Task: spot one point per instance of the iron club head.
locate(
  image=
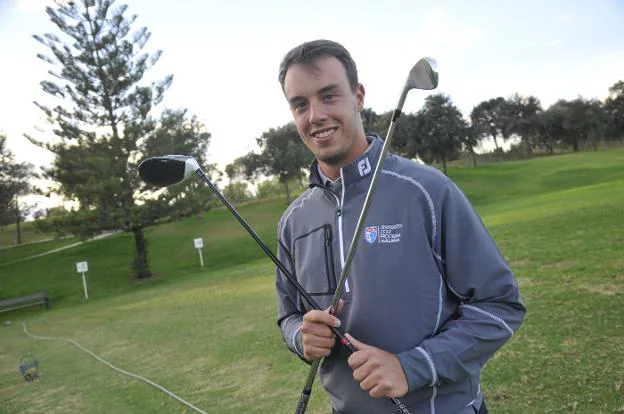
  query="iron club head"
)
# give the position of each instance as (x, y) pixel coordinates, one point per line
(167, 169)
(424, 76)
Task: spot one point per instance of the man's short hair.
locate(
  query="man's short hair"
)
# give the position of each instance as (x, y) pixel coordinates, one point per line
(308, 52)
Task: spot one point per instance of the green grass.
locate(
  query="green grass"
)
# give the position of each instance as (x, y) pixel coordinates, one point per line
(28, 232)
(26, 251)
(209, 335)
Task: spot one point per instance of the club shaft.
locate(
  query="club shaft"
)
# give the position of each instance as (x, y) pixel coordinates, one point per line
(363, 213)
(307, 388)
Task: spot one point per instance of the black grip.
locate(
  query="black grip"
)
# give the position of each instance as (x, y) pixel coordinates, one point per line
(303, 402)
(401, 408)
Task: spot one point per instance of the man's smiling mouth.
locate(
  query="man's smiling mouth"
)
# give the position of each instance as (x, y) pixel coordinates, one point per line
(326, 133)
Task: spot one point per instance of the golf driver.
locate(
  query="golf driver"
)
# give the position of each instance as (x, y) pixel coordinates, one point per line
(423, 76)
(171, 169)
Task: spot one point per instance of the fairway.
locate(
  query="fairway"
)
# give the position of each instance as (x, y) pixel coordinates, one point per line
(209, 335)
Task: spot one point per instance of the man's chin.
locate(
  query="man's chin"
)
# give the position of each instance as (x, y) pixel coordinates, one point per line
(335, 159)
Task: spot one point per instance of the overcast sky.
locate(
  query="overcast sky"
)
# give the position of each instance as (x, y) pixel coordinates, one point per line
(224, 55)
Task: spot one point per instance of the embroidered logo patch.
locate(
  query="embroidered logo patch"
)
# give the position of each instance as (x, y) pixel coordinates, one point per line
(386, 233)
(364, 167)
(370, 234)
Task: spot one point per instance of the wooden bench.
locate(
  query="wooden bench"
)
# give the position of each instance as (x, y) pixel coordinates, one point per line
(24, 301)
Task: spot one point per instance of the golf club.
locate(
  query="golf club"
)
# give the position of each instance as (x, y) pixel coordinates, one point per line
(423, 76)
(171, 169)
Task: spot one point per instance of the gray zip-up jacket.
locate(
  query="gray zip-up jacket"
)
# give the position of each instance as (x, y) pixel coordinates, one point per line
(427, 282)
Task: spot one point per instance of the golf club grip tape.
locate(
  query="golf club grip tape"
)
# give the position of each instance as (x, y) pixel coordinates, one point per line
(401, 408)
(303, 402)
(344, 340)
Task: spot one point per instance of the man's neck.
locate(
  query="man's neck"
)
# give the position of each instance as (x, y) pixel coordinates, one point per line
(330, 171)
(333, 171)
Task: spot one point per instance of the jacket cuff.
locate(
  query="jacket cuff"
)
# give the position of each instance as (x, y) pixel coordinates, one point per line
(296, 341)
(291, 331)
(418, 368)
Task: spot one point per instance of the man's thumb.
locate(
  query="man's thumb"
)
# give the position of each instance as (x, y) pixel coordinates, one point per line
(338, 308)
(360, 346)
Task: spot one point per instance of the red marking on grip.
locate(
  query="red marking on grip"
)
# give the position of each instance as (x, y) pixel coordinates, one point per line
(344, 341)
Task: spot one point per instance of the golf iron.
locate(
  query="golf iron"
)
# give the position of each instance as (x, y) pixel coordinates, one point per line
(423, 76)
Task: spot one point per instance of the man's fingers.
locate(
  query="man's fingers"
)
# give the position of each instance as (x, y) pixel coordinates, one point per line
(314, 341)
(317, 346)
(316, 336)
(361, 373)
(360, 346)
(323, 317)
(378, 391)
(316, 329)
(316, 352)
(339, 307)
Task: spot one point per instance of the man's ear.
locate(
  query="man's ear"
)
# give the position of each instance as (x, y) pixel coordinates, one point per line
(359, 96)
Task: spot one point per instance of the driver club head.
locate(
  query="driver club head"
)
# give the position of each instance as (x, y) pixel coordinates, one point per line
(167, 170)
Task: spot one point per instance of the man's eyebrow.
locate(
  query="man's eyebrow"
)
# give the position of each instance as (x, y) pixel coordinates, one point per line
(328, 88)
(296, 99)
(323, 90)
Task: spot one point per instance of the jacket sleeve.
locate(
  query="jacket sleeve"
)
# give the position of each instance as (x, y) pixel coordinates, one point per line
(289, 317)
(490, 307)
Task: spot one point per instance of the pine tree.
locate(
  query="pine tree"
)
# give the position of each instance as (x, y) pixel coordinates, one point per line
(102, 115)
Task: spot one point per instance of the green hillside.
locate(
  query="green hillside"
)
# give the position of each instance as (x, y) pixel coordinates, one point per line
(209, 335)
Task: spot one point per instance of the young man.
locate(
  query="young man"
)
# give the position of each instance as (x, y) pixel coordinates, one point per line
(429, 298)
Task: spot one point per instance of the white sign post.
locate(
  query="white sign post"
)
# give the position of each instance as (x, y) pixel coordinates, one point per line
(82, 267)
(199, 243)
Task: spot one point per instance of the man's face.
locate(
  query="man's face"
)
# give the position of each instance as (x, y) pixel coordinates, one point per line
(326, 112)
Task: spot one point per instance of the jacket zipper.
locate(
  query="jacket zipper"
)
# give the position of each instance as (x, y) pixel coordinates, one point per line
(329, 258)
(342, 254)
(339, 202)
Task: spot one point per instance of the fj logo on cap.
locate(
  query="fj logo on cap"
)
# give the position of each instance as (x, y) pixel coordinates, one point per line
(364, 167)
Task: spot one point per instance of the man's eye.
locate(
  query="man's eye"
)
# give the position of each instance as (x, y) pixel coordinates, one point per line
(299, 106)
(329, 97)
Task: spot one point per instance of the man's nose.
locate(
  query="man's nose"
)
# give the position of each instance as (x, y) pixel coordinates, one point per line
(318, 113)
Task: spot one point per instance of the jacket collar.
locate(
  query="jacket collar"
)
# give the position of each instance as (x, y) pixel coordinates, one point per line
(360, 169)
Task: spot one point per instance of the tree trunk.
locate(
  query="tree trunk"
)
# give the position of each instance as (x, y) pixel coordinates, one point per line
(18, 230)
(575, 146)
(141, 264)
(495, 143)
(287, 191)
(474, 157)
(528, 148)
(444, 165)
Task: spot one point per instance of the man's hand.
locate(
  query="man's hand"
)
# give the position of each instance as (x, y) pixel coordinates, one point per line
(378, 372)
(316, 336)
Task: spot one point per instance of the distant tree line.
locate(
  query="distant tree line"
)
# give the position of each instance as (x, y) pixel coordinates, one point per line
(440, 133)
